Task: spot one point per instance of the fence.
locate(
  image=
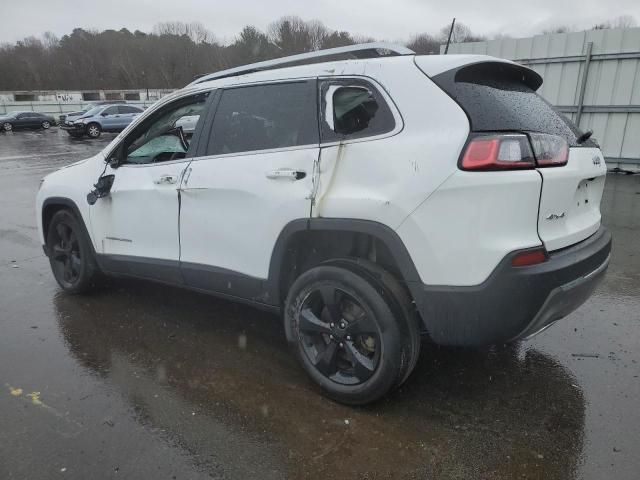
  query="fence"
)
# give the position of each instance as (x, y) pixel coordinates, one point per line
(56, 108)
(64, 101)
(593, 77)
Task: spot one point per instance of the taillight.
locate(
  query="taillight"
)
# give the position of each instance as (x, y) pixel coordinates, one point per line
(529, 257)
(549, 150)
(498, 152)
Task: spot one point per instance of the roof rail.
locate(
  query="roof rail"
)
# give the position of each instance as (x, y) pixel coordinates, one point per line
(363, 50)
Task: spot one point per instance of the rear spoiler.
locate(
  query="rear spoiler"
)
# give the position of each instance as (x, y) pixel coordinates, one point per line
(475, 68)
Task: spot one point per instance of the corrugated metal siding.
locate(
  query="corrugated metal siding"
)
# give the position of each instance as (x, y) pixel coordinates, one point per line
(612, 83)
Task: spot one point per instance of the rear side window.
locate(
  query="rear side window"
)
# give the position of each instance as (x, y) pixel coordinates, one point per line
(502, 97)
(353, 108)
(127, 109)
(262, 117)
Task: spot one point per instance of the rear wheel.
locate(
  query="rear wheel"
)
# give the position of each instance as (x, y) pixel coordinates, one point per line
(7, 127)
(70, 254)
(94, 130)
(350, 331)
(46, 125)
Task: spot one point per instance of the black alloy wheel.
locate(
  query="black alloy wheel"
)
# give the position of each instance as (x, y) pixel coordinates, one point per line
(340, 338)
(70, 253)
(352, 327)
(65, 254)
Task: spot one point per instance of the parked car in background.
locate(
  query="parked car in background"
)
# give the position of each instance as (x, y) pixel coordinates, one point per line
(18, 120)
(71, 116)
(106, 118)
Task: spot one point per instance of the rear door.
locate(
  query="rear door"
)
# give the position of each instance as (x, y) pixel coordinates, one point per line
(501, 97)
(254, 178)
(127, 114)
(110, 118)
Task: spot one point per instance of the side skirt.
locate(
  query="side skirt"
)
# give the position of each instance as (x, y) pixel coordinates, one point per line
(219, 282)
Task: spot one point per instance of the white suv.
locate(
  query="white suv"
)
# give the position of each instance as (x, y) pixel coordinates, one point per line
(368, 200)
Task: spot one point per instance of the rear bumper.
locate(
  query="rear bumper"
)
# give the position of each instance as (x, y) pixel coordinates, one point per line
(515, 302)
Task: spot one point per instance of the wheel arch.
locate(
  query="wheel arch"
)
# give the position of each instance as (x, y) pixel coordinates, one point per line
(296, 250)
(51, 206)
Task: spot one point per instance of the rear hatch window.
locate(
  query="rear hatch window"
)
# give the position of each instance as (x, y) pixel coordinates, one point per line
(501, 97)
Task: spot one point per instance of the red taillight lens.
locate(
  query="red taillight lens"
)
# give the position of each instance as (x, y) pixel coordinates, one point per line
(498, 152)
(530, 257)
(549, 150)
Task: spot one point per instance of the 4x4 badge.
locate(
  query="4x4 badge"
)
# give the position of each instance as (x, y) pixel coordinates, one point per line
(555, 216)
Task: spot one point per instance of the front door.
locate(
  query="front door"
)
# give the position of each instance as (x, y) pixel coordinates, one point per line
(255, 177)
(136, 226)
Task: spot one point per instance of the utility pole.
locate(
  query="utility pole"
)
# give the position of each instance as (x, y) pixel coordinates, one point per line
(446, 48)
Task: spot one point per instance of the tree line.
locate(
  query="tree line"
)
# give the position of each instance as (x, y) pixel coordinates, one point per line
(173, 54)
(170, 56)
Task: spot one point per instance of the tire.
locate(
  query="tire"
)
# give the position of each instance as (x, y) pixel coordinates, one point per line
(349, 324)
(94, 130)
(70, 253)
(46, 125)
(7, 127)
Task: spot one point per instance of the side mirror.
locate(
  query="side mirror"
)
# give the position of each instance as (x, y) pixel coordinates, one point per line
(114, 162)
(100, 189)
(104, 114)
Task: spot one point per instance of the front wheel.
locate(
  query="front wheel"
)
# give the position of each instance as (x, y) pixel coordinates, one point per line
(350, 332)
(70, 254)
(7, 127)
(94, 130)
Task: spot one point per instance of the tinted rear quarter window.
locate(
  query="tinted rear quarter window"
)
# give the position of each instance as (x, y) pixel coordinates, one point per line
(261, 117)
(355, 101)
(128, 109)
(502, 97)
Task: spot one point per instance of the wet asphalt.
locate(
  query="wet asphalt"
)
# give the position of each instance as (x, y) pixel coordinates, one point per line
(142, 381)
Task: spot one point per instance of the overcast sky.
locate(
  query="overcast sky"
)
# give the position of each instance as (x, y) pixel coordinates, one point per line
(385, 20)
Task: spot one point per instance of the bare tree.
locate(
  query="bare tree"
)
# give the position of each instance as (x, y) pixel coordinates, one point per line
(461, 33)
(623, 21)
(424, 43)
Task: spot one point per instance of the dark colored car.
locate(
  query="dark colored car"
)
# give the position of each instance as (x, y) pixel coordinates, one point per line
(71, 116)
(17, 120)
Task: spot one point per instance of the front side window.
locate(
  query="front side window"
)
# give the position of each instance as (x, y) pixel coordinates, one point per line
(164, 136)
(261, 117)
(110, 111)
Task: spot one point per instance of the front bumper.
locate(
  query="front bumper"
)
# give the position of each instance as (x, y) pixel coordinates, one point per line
(515, 302)
(73, 128)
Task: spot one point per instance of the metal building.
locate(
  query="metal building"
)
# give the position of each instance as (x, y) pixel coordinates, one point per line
(592, 77)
